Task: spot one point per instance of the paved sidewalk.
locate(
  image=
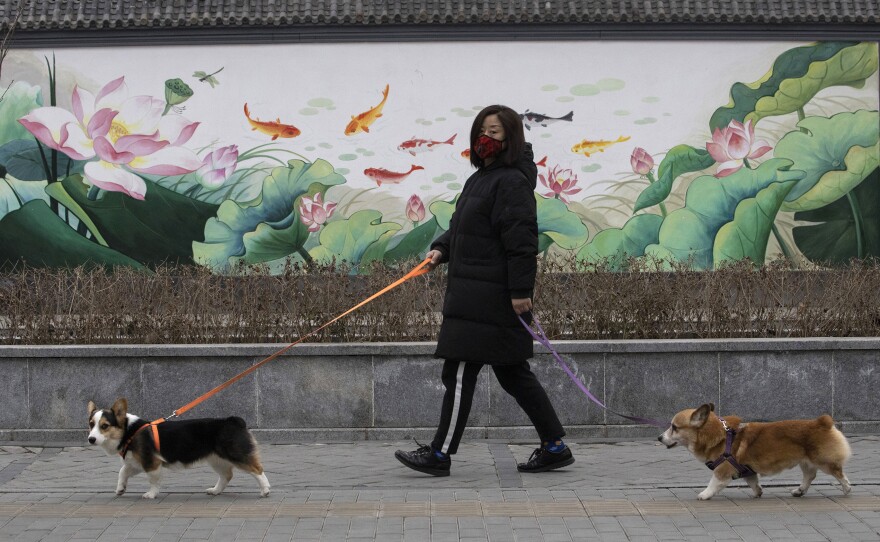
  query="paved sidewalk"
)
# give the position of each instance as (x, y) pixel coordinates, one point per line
(358, 491)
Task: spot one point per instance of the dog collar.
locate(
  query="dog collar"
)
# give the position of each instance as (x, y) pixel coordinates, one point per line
(742, 471)
(153, 430)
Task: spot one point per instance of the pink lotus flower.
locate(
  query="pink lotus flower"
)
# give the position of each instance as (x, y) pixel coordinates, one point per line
(313, 213)
(561, 183)
(642, 163)
(415, 209)
(731, 145)
(126, 134)
(217, 166)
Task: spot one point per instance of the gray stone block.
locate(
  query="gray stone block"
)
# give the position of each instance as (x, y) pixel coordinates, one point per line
(856, 377)
(317, 392)
(170, 383)
(407, 391)
(570, 403)
(60, 391)
(775, 385)
(659, 385)
(393, 391)
(14, 391)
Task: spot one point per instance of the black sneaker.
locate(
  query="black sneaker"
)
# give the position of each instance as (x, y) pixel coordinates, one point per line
(424, 460)
(543, 460)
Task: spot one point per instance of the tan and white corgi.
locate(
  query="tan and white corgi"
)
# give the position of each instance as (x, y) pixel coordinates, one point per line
(759, 448)
(223, 443)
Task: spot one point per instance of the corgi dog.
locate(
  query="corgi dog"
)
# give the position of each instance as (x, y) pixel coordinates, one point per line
(221, 442)
(733, 449)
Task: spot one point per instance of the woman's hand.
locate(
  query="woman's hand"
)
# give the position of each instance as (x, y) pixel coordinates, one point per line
(435, 256)
(522, 305)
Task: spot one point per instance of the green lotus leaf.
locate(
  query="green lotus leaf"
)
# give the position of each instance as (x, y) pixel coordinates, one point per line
(360, 239)
(442, 211)
(747, 235)
(688, 234)
(796, 76)
(679, 160)
(37, 236)
(415, 243)
(613, 246)
(58, 192)
(836, 154)
(9, 200)
(160, 229)
(834, 237)
(20, 99)
(558, 224)
(268, 228)
(22, 159)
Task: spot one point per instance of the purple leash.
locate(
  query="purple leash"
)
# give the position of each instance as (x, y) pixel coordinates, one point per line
(541, 337)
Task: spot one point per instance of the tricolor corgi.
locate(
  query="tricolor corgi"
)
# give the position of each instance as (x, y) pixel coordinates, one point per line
(222, 442)
(733, 449)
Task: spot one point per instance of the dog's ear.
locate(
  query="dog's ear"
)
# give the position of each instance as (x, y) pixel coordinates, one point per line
(699, 416)
(92, 408)
(712, 407)
(120, 408)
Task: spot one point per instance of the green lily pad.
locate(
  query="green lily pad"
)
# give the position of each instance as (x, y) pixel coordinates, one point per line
(360, 239)
(415, 243)
(613, 246)
(268, 228)
(833, 238)
(20, 99)
(689, 234)
(796, 76)
(9, 201)
(160, 229)
(22, 159)
(57, 191)
(747, 235)
(679, 160)
(35, 235)
(442, 211)
(558, 224)
(836, 154)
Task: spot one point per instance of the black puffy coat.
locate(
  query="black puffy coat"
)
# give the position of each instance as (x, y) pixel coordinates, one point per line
(491, 247)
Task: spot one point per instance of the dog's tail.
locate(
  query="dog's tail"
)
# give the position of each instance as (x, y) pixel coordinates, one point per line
(825, 421)
(237, 422)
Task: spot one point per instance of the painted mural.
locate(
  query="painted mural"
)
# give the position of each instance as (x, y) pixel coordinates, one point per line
(223, 156)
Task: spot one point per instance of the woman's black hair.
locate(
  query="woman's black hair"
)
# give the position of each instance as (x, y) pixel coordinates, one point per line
(513, 133)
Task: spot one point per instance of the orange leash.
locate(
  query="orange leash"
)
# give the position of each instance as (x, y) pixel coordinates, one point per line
(416, 271)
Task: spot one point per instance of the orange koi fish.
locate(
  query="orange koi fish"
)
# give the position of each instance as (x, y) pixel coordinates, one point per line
(542, 163)
(414, 145)
(362, 122)
(388, 177)
(466, 154)
(274, 129)
(588, 147)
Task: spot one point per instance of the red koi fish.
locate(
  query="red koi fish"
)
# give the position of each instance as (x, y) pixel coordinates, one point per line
(274, 129)
(466, 154)
(414, 145)
(542, 163)
(388, 177)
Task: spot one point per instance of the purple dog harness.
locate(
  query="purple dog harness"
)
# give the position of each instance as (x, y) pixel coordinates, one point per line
(742, 471)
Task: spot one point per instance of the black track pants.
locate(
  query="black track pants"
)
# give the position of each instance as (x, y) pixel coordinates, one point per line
(460, 380)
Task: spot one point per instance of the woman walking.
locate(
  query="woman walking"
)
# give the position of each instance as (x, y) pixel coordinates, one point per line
(491, 248)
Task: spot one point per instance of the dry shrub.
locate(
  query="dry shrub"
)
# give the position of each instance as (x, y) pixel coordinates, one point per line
(189, 305)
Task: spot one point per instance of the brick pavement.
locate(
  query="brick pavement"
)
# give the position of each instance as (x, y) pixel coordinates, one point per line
(357, 491)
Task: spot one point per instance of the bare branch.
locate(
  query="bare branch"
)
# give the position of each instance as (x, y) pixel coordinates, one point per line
(6, 43)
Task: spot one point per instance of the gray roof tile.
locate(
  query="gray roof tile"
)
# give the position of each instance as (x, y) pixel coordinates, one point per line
(58, 14)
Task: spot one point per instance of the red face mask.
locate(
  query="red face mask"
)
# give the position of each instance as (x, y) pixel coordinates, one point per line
(487, 147)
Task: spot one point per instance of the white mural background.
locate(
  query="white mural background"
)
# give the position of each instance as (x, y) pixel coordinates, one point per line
(655, 95)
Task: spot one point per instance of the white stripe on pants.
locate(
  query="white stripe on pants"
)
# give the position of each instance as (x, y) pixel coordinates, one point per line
(455, 405)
